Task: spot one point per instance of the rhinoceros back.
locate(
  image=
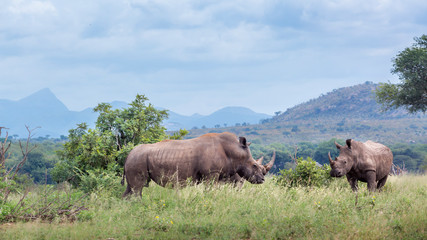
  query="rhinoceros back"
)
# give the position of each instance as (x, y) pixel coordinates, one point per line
(171, 161)
(382, 156)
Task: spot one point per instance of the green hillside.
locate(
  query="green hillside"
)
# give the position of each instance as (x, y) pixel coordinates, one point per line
(355, 102)
(349, 112)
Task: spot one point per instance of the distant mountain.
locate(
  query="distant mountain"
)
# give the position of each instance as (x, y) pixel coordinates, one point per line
(228, 116)
(43, 109)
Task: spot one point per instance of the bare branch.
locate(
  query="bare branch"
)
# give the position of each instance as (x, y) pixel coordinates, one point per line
(294, 157)
(25, 151)
(20, 203)
(396, 170)
(4, 147)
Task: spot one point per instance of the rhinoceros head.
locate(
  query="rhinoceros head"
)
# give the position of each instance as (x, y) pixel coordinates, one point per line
(247, 167)
(267, 166)
(344, 162)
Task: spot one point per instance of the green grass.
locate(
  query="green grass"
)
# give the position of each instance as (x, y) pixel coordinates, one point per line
(264, 211)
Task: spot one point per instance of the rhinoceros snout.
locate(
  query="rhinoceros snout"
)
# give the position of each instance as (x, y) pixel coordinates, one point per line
(258, 180)
(336, 173)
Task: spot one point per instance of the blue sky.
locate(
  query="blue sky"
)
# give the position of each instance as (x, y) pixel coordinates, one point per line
(199, 56)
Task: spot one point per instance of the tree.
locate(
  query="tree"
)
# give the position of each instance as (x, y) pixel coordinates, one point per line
(322, 150)
(37, 167)
(106, 147)
(411, 67)
(295, 128)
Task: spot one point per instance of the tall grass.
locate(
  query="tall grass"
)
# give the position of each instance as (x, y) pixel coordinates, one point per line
(266, 211)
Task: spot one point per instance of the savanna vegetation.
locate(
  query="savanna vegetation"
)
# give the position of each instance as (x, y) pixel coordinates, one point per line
(206, 211)
(40, 167)
(300, 202)
(70, 188)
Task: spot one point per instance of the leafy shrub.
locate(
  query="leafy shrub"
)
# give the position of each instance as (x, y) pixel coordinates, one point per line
(306, 173)
(10, 184)
(45, 202)
(65, 171)
(99, 179)
(5, 210)
(116, 132)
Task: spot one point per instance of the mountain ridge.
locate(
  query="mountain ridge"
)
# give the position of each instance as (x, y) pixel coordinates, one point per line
(43, 109)
(356, 101)
(348, 112)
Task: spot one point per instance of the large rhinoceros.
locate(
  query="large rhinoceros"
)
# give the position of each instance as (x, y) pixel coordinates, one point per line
(367, 162)
(212, 156)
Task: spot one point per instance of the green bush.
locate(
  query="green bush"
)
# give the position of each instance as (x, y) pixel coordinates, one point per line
(10, 184)
(99, 179)
(45, 202)
(5, 210)
(306, 173)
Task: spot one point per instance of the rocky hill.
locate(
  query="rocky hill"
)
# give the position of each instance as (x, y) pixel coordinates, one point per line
(349, 112)
(355, 102)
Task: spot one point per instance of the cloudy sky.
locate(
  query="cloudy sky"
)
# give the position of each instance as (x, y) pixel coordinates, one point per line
(199, 56)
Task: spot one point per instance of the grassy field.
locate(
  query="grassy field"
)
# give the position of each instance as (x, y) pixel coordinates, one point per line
(264, 211)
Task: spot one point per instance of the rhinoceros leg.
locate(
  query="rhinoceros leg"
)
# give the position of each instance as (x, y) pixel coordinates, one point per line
(353, 183)
(136, 180)
(128, 191)
(371, 179)
(381, 182)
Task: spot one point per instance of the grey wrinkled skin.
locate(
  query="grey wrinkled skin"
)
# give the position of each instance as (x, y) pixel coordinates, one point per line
(213, 156)
(366, 162)
(238, 181)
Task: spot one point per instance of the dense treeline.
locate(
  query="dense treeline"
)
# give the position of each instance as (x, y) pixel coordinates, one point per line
(412, 157)
(40, 161)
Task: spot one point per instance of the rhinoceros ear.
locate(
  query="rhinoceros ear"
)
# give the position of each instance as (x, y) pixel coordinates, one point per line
(338, 146)
(348, 142)
(243, 142)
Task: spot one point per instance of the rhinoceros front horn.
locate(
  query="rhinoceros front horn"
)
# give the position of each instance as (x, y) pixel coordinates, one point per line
(330, 159)
(270, 164)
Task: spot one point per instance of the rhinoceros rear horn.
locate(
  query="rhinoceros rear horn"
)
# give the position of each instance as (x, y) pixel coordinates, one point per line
(270, 164)
(338, 146)
(259, 161)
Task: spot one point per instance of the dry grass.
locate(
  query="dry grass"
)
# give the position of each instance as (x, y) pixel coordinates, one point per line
(264, 211)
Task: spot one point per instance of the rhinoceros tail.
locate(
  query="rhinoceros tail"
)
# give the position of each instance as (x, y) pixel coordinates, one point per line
(124, 174)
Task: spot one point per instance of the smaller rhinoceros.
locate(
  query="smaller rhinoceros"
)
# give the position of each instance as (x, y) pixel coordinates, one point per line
(367, 162)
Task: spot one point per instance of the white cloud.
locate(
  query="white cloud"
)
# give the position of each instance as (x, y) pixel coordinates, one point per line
(175, 48)
(31, 7)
